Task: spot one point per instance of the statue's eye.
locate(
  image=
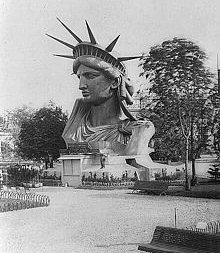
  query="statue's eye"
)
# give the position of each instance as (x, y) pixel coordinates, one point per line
(91, 75)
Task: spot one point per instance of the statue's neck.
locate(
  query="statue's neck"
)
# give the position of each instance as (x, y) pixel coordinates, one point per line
(106, 113)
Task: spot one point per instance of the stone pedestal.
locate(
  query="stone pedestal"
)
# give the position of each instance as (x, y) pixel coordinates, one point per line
(74, 166)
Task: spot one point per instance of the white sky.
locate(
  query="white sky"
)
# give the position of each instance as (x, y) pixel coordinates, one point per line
(30, 74)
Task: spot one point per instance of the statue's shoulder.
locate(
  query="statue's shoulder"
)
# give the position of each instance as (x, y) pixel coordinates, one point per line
(80, 109)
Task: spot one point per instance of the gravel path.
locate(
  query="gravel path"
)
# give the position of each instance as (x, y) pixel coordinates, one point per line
(92, 221)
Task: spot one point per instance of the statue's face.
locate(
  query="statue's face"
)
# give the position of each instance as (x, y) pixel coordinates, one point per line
(95, 86)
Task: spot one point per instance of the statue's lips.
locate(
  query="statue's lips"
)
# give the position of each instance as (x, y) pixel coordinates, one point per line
(85, 94)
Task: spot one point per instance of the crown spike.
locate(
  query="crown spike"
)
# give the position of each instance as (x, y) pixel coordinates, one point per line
(128, 58)
(112, 44)
(73, 34)
(63, 42)
(65, 56)
(91, 36)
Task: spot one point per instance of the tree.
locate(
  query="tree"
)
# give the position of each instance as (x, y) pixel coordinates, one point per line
(168, 141)
(181, 83)
(40, 137)
(21, 114)
(17, 116)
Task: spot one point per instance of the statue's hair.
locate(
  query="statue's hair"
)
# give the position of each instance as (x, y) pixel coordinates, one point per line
(93, 55)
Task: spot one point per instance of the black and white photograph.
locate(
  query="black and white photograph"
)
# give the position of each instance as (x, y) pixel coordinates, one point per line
(109, 126)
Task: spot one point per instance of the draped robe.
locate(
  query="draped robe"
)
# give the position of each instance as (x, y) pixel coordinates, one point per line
(79, 129)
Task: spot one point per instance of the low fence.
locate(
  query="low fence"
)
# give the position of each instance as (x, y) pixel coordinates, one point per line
(19, 200)
(104, 182)
(108, 183)
(210, 227)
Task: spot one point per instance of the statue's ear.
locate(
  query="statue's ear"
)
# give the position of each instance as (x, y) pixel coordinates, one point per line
(114, 84)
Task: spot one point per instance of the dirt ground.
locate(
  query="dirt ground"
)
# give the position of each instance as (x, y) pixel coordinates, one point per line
(94, 221)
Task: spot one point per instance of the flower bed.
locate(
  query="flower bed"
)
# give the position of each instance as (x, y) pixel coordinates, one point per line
(10, 201)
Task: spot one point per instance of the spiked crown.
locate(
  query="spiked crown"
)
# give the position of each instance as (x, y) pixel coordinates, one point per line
(93, 49)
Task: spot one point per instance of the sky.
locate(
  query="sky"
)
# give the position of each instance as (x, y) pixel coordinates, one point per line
(31, 75)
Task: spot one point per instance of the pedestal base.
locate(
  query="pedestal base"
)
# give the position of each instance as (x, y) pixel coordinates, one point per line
(75, 166)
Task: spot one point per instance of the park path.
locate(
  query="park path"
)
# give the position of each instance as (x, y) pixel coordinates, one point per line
(94, 221)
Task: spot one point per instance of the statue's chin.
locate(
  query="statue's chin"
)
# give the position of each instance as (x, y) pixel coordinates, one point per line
(96, 101)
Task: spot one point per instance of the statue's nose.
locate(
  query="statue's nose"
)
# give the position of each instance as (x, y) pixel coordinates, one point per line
(82, 83)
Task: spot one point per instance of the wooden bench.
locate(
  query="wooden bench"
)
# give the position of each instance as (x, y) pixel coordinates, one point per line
(173, 240)
(155, 187)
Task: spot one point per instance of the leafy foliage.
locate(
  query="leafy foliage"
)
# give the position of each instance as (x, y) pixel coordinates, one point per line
(17, 175)
(181, 85)
(40, 136)
(17, 117)
(21, 114)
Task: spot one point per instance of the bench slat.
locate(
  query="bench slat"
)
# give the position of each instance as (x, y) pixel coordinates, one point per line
(168, 249)
(181, 240)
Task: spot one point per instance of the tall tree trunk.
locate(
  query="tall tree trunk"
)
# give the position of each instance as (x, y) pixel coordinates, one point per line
(192, 154)
(186, 135)
(193, 181)
(187, 183)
